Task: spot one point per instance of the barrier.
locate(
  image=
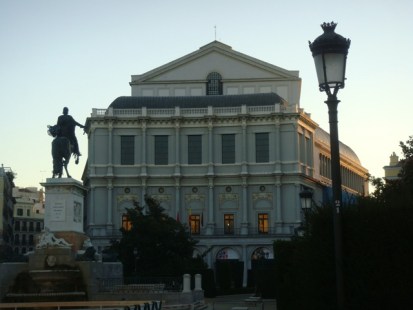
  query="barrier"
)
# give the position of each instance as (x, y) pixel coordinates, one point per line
(107, 305)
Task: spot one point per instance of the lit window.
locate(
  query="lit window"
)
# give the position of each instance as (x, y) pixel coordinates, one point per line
(195, 224)
(228, 224)
(263, 223)
(126, 222)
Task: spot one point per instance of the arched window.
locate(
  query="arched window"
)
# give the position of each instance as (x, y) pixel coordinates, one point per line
(214, 84)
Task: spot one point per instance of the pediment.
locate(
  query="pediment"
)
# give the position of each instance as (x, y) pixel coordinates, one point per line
(215, 57)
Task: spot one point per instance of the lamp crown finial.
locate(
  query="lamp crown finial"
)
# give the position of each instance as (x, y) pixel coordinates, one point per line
(329, 27)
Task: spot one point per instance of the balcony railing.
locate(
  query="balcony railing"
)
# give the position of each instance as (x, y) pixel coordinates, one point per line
(217, 232)
(177, 111)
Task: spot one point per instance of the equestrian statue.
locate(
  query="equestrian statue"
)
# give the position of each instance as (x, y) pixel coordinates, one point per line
(64, 144)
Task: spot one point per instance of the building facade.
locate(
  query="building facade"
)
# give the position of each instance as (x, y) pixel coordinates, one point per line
(6, 206)
(28, 218)
(220, 140)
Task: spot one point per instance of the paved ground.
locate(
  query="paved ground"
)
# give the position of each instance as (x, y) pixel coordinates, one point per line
(231, 301)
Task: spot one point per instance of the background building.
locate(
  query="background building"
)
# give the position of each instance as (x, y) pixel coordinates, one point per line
(220, 140)
(6, 206)
(28, 218)
(392, 171)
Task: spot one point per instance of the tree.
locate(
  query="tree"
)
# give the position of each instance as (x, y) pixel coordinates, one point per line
(399, 192)
(377, 251)
(155, 244)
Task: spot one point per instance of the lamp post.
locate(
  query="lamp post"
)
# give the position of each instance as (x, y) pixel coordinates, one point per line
(135, 256)
(330, 55)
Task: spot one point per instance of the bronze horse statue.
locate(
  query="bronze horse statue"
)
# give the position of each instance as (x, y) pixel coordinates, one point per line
(62, 150)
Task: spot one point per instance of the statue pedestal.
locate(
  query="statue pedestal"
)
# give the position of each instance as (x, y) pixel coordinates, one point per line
(64, 205)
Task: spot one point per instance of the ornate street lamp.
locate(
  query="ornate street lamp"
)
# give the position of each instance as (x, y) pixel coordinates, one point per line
(330, 55)
(306, 199)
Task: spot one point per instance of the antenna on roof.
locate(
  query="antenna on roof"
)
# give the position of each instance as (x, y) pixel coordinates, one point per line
(215, 27)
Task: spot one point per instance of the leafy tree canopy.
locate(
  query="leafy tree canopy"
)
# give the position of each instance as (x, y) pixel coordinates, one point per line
(155, 244)
(397, 192)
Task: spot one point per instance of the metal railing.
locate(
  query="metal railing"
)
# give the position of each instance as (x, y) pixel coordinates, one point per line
(149, 284)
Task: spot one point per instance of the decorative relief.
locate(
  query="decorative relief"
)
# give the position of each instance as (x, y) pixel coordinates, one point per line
(227, 196)
(122, 198)
(77, 212)
(262, 196)
(194, 197)
(162, 198)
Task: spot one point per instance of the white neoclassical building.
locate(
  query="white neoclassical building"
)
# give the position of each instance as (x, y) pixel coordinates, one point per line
(219, 139)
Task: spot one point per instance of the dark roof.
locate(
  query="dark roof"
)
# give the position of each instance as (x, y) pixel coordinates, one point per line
(196, 101)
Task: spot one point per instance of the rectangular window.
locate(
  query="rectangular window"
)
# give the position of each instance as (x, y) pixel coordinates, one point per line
(262, 147)
(229, 224)
(161, 150)
(228, 148)
(20, 212)
(28, 212)
(127, 150)
(194, 149)
(126, 222)
(195, 224)
(263, 226)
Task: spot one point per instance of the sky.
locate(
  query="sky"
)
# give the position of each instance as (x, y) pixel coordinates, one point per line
(82, 53)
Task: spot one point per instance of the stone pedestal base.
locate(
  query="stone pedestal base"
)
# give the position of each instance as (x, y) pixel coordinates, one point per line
(47, 258)
(64, 205)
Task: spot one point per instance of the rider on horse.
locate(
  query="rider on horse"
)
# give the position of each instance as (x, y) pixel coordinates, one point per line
(64, 143)
(67, 126)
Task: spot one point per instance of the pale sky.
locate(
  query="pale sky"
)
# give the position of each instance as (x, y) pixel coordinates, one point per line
(81, 54)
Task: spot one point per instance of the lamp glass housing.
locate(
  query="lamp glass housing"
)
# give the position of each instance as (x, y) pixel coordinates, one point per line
(330, 69)
(306, 199)
(330, 55)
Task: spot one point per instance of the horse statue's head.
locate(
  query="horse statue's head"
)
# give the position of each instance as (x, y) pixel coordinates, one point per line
(53, 130)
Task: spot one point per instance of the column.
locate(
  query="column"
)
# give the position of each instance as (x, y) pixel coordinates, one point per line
(211, 219)
(244, 167)
(278, 206)
(143, 191)
(296, 143)
(109, 204)
(277, 145)
(177, 147)
(91, 153)
(246, 262)
(91, 207)
(177, 197)
(210, 147)
(110, 149)
(144, 147)
(244, 223)
(296, 202)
